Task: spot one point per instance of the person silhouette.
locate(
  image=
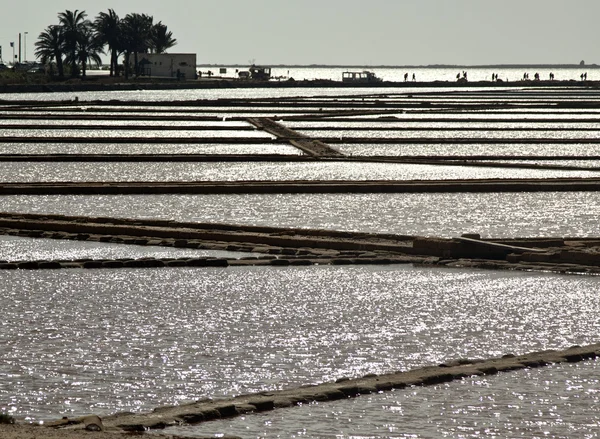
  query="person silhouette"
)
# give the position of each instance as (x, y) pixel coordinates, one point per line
(414, 78)
(405, 77)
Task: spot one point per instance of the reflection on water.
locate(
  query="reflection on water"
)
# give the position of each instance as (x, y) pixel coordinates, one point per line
(545, 214)
(560, 401)
(14, 248)
(147, 133)
(260, 171)
(433, 149)
(454, 134)
(80, 341)
(145, 148)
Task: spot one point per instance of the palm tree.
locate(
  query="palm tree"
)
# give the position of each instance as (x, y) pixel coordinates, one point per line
(136, 36)
(89, 48)
(161, 39)
(108, 28)
(72, 23)
(49, 46)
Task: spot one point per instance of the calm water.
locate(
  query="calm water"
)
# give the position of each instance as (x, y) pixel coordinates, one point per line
(261, 171)
(145, 148)
(447, 215)
(433, 149)
(15, 248)
(80, 341)
(561, 401)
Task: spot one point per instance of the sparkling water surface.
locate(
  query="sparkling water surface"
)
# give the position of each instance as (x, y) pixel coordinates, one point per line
(258, 171)
(403, 125)
(16, 248)
(454, 149)
(149, 133)
(453, 134)
(80, 341)
(200, 124)
(559, 401)
(542, 214)
(146, 148)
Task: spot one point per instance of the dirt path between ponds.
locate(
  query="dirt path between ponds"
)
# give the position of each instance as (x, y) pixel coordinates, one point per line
(209, 409)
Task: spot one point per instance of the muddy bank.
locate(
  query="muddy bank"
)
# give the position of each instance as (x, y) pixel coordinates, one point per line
(303, 187)
(278, 246)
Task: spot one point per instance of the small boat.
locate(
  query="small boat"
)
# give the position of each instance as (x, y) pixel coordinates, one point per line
(364, 76)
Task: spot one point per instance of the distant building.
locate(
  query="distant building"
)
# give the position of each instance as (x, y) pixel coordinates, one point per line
(168, 65)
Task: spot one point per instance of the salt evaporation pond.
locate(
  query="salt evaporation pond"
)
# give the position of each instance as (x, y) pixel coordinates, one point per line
(557, 401)
(196, 124)
(471, 149)
(401, 126)
(450, 134)
(267, 171)
(146, 133)
(15, 248)
(541, 214)
(81, 341)
(146, 148)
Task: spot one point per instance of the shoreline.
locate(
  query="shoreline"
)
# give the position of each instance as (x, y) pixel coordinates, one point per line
(95, 84)
(115, 425)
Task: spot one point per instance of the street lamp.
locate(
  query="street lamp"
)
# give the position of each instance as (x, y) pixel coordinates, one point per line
(25, 54)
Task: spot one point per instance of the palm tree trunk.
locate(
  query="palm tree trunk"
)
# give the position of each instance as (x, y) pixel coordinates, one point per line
(74, 69)
(59, 64)
(127, 65)
(113, 62)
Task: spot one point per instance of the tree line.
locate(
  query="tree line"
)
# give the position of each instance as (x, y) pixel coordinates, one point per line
(75, 41)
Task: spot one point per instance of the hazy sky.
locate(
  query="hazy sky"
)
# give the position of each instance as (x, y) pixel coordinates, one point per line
(349, 32)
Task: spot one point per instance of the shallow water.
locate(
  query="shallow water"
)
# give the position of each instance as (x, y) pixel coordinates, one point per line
(80, 341)
(495, 215)
(146, 148)
(558, 401)
(454, 134)
(148, 133)
(49, 123)
(15, 248)
(433, 149)
(402, 125)
(259, 171)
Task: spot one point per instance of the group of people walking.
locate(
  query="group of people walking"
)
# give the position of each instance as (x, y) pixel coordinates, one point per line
(462, 77)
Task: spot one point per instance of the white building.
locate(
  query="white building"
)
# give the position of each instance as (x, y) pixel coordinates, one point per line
(168, 65)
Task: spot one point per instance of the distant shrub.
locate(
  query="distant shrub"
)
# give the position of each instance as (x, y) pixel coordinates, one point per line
(6, 419)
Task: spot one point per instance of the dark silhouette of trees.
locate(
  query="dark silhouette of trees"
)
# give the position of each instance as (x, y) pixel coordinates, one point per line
(49, 47)
(136, 36)
(108, 29)
(89, 48)
(73, 24)
(76, 41)
(161, 39)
